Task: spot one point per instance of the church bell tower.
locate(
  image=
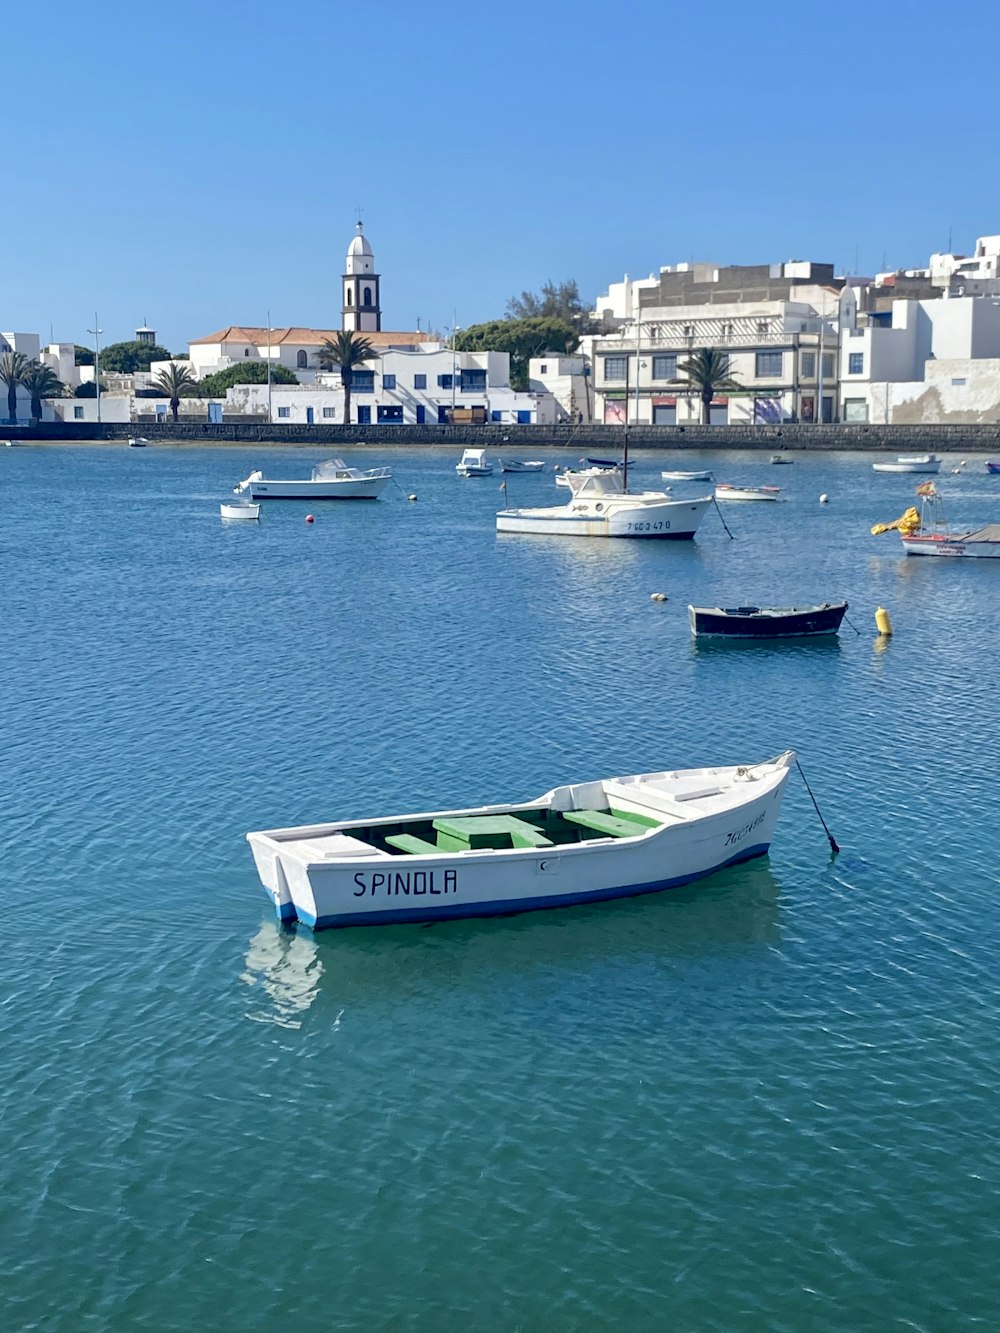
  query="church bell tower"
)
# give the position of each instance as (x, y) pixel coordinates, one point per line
(362, 309)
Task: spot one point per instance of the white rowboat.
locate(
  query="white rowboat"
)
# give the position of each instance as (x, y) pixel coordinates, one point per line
(724, 492)
(925, 463)
(579, 843)
(242, 509)
(687, 476)
(521, 465)
(984, 543)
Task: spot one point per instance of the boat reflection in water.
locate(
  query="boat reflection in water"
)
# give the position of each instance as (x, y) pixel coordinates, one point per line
(284, 970)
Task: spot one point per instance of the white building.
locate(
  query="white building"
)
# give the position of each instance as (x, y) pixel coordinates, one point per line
(429, 385)
(777, 325)
(935, 363)
(567, 380)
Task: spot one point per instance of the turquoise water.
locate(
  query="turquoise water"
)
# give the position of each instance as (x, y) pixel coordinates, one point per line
(763, 1102)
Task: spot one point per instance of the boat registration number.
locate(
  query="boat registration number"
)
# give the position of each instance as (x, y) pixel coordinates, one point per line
(650, 525)
(739, 834)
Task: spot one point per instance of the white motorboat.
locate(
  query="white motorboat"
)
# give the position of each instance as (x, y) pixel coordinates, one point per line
(706, 475)
(724, 492)
(137, 442)
(332, 480)
(241, 509)
(473, 464)
(521, 465)
(601, 507)
(925, 463)
(578, 843)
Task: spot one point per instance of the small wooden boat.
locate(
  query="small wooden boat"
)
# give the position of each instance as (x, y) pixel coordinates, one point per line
(781, 458)
(473, 464)
(766, 622)
(990, 465)
(724, 492)
(928, 463)
(579, 843)
(332, 480)
(939, 539)
(137, 442)
(706, 475)
(240, 509)
(521, 465)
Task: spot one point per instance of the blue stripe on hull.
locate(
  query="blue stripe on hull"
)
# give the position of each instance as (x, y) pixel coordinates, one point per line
(510, 907)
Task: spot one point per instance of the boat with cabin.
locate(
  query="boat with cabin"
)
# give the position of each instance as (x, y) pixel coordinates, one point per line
(928, 463)
(473, 463)
(332, 480)
(578, 843)
(725, 492)
(600, 506)
(750, 623)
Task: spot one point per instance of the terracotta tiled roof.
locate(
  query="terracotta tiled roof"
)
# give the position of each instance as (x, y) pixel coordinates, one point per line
(257, 337)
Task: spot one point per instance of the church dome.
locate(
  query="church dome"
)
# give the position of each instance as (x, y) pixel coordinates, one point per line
(359, 246)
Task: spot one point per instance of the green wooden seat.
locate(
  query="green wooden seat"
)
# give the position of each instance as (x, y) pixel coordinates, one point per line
(479, 832)
(612, 826)
(646, 821)
(408, 842)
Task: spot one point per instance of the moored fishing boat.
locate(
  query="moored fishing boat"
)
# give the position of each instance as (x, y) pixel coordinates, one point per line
(704, 475)
(578, 843)
(473, 463)
(332, 480)
(928, 463)
(940, 539)
(241, 509)
(991, 466)
(766, 622)
(726, 492)
(601, 507)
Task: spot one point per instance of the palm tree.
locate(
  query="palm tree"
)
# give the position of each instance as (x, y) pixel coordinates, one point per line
(706, 372)
(347, 351)
(174, 381)
(12, 368)
(41, 382)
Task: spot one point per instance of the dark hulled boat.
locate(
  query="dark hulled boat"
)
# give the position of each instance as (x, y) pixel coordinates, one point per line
(766, 622)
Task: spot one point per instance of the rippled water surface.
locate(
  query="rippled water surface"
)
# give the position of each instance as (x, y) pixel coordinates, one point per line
(768, 1101)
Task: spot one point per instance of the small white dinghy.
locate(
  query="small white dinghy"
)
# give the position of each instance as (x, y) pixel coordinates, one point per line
(521, 465)
(725, 492)
(928, 463)
(706, 475)
(247, 509)
(576, 844)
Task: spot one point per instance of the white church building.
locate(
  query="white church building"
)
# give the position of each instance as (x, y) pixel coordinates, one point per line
(417, 379)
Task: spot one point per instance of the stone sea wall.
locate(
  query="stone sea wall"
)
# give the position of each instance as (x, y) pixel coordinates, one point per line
(609, 439)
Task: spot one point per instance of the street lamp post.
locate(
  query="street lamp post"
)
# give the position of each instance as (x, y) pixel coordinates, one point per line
(269, 367)
(454, 330)
(96, 331)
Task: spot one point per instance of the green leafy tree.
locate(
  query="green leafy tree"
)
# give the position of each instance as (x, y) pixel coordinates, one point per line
(88, 389)
(246, 372)
(127, 358)
(13, 366)
(175, 382)
(705, 373)
(41, 382)
(557, 300)
(522, 339)
(347, 350)
(84, 355)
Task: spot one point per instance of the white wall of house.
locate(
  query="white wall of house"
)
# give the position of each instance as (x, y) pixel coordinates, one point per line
(961, 391)
(115, 407)
(28, 344)
(567, 380)
(61, 357)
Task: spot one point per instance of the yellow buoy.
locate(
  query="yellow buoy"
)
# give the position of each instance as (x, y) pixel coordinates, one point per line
(882, 622)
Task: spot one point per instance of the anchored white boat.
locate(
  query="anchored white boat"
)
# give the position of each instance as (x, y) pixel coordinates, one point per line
(241, 509)
(332, 480)
(576, 844)
(137, 442)
(473, 464)
(724, 492)
(601, 507)
(521, 465)
(706, 475)
(925, 463)
(572, 479)
(940, 539)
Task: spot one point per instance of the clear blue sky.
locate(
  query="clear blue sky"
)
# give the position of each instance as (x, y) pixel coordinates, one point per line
(198, 163)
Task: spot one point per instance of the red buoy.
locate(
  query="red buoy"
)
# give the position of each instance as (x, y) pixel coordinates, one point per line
(310, 518)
